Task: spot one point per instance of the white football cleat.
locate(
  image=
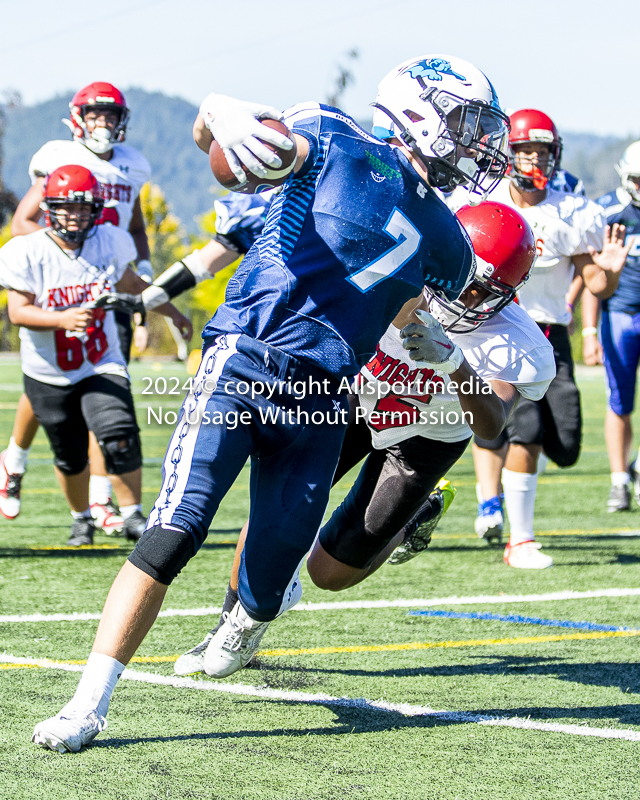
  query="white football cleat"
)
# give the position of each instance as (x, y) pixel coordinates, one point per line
(490, 520)
(9, 490)
(526, 555)
(107, 518)
(192, 661)
(235, 643)
(69, 734)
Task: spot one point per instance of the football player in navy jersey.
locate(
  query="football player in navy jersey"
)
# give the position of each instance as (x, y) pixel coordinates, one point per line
(564, 181)
(356, 232)
(620, 333)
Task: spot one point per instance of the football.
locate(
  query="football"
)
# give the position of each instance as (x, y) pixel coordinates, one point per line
(275, 177)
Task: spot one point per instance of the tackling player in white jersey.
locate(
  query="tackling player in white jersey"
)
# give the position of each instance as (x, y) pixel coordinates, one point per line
(412, 421)
(569, 231)
(74, 371)
(98, 121)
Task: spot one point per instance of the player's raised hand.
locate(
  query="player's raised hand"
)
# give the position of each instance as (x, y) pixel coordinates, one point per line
(429, 346)
(75, 319)
(235, 125)
(614, 253)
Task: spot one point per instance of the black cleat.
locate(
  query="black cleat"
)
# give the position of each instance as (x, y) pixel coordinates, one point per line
(82, 532)
(134, 526)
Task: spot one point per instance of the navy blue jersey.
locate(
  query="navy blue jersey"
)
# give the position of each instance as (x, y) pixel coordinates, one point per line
(619, 208)
(240, 219)
(564, 181)
(353, 236)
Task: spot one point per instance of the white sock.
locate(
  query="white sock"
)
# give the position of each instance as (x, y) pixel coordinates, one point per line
(81, 514)
(620, 478)
(99, 489)
(96, 685)
(16, 458)
(520, 499)
(543, 462)
(127, 511)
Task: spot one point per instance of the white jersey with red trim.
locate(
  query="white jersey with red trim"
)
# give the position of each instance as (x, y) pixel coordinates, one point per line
(564, 224)
(60, 279)
(401, 400)
(121, 177)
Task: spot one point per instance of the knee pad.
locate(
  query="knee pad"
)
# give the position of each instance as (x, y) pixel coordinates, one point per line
(162, 553)
(122, 453)
(71, 464)
(351, 544)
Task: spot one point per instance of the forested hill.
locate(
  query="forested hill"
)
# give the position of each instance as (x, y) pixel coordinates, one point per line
(160, 127)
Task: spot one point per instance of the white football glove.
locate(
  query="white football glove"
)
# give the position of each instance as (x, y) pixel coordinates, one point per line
(234, 125)
(429, 346)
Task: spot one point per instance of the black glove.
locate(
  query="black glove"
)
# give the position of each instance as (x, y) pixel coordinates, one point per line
(120, 301)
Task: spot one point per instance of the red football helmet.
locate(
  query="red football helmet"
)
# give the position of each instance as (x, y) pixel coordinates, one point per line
(98, 96)
(505, 250)
(529, 125)
(67, 185)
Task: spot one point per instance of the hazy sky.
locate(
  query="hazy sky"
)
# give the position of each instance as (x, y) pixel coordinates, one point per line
(575, 59)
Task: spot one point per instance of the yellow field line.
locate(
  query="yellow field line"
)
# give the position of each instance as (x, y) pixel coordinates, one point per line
(124, 546)
(567, 532)
(441, 536)
(373, 648)
(154, 489)
(379, 648)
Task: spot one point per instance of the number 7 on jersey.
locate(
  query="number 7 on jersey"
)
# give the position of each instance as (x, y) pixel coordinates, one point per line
(408, 239)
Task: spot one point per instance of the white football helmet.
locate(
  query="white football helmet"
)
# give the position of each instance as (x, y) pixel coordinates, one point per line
(628, 166)
(442, 107)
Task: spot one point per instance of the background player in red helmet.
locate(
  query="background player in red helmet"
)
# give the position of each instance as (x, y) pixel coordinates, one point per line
(98, 121)
(74, 371)
(569, 231)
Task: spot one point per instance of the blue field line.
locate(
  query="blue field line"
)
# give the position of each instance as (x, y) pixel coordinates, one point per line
(551, 623)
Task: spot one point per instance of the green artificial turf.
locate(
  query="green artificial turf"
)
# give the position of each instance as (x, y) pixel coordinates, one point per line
(179, 742)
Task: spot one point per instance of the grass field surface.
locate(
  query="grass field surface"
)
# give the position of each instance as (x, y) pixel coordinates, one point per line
(511, 684)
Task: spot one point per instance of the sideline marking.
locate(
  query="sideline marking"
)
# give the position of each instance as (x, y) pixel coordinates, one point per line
(6, 661)
(350, 605)
(406, 709)
(517, 618)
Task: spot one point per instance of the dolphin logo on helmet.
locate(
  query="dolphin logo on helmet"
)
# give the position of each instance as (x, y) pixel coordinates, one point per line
(433, 69)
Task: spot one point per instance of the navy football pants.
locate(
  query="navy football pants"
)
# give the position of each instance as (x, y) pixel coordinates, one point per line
(292, 465)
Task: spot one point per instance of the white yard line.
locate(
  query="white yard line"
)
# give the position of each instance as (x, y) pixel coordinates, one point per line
(360, 703)
(352, 605)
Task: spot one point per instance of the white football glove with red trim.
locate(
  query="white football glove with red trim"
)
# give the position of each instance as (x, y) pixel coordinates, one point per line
(235, 126)
(429, 346)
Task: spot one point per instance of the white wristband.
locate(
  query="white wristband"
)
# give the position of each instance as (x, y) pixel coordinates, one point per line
(194, 264)
(154, 296)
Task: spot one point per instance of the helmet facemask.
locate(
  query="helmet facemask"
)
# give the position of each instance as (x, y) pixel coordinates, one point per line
(56, 210)
(470, 148)
(491, 297)
(102, 138)
(629, 185)
(531, 173)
